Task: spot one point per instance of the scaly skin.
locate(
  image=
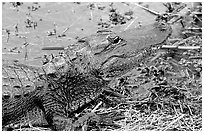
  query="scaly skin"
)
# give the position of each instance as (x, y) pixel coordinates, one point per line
(75, 79)
(22, 89)
(54, 97)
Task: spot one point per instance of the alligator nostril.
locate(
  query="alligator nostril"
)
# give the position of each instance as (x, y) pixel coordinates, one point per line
(26, 94)
(17, 96)
(5, 85)
(27, 86)
(12, 78)
(17, 86)
(6, 96)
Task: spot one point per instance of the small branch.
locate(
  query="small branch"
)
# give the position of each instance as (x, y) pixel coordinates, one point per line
(99, 104)
(193, 28)
(147, 9)
(180, 47)
(53, 48)
(130, 24)
(196, 57)
(190, 32)
(91, 14)
(180, 117)
(9, 53)
(66, 29)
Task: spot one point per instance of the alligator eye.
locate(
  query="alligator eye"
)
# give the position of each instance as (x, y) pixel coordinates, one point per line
(117, 39)
(113, 39)
(110, 38)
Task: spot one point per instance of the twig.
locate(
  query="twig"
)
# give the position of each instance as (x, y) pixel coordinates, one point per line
(9, 53)
(96, 106)
(195, 57)
(8, 35)
(191, 32)
(183, 41)
(26, 53)
(180, 47)
(91, 13)
(184, 121)
(130, 24)
(147, 9)
(190, 110)
(180, 117)
(66, 29)
(154, 116)
(197, 18)
(193, 28)
(53, 48)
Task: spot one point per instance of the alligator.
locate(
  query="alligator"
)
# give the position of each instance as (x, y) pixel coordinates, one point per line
(68, 82)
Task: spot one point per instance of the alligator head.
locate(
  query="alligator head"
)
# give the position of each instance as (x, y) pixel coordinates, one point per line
(113, 54)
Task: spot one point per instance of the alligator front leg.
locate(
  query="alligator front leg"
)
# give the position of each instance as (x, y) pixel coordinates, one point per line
(55, 113)
(62, 123)
(58, 112)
